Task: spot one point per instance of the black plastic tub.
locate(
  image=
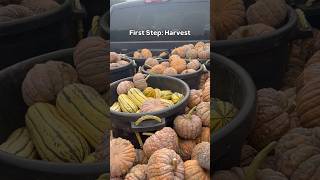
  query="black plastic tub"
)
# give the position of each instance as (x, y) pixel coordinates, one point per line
(36, 35)
(312, 13)
(12, 114)
(155, 53)
(192, 79)
(233, 84)
(123, 72)
(264, 57)
(122, 122)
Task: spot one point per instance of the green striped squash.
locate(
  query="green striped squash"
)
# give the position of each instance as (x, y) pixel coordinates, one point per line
(86, 111)
(54, 139)
(20, 144)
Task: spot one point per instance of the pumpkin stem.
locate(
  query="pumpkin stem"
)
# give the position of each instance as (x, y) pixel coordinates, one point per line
(148, 66)
(191, 111)
(147, 134)
(139, 139)
(147, 77)
(147, 117)
(174, 164)
(251, 170)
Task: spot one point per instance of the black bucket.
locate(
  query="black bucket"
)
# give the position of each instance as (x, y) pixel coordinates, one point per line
(233, 84)
(192, 79)
(264, 57)
(122, 122)
(155, 53)
(12, 114)
(123, 72)
(312, 13)
(31, 36)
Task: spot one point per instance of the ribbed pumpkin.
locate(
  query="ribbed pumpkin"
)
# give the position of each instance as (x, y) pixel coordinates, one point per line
(40, 6)
(152, 105)
(180, 51)
(193, 171)
(204, 54)
(192, 54)
(222, 113)
(194, 64)
(91, 61)
(188, 126)
(273, 120)
(251, 31)
(86, 110)
(178, 64)
(165, 164)
(140, 81)
(298, 154)
(164, 138)
(157, 69)
(170, 71)
(227, 16)
(122, 156)
(124, 86)
(201, 153)
(13, 11)
(185, 148)
(203, 111)
(138, 172)
(308, 103)
(44, 81)
(150, 62)
(269, 12)
(54, 139)
(195, 98)
(204, 136)
(146, 53)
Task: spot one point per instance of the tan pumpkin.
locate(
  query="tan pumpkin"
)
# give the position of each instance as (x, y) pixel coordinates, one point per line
(206, 92)
(204, 136)
(227, 16)
(157, 69)
(203, 111)
(199, 45)
(138, 172)
(137, 55)
(114, 57)
(193, 171)
(91, 62)
(165, 164)
(180, 51)
(170, 71)
(122, 156)
(124, 86)
(269, 12)
(178, 64)
(192, 54)
(185, 148)
(204, 54)
(140, 81)
(273, 120)
(164, 138)
(194, 98)
(14, 11)
(44, 81)
(150, 62)
(194, 64)
(251, 31)
(174, 57)
(188, 126)
(153, 105)
(146, 53)
(201, 153)
(203, 79)
(308, 104)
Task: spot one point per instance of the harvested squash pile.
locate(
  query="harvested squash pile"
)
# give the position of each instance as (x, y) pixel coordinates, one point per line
(200, 50)
(67, 119)
(178, 152)
(16, 9)
(117, 61)
(145, 53)
(232, 20)
(138, 97)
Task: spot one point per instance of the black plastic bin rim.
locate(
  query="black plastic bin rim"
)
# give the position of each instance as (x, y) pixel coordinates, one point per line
(33, 22)
(137, 115)
(143, 69)
(292, 19)
(46, 166)
(249, 95)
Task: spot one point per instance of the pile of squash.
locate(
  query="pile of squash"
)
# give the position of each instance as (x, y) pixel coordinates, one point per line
(16, 9)
(178, 152)
(67, 118)
(232, 20)
(287, 118)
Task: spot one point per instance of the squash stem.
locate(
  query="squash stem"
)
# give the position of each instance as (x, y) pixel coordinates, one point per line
(190, 112)
(147, 134)
(251, 170)
(139, 139)
(174, 164)
(147, 77)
